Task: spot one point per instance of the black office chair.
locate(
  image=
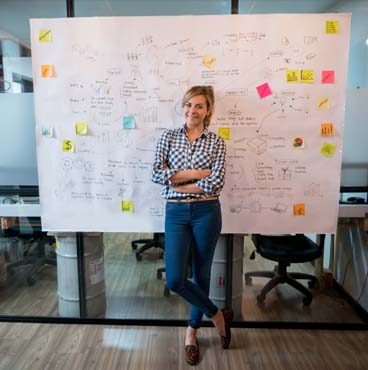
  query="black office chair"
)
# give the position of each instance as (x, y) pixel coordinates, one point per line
(156, 242)
(286, 249)
(36, 258)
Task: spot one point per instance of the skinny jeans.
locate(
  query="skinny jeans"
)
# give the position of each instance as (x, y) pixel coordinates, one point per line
(192, 227)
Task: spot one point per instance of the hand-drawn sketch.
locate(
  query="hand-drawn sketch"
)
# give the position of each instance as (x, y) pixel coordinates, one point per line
(127, 87)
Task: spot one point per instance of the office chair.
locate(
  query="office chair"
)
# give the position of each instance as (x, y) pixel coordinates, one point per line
(285, 249)
(156, 242)
(33, 234)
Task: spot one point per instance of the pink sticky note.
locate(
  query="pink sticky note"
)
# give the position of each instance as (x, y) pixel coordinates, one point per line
(264, 90)
(328, 77)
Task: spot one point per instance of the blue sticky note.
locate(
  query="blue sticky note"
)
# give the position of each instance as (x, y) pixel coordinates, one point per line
(128, 122)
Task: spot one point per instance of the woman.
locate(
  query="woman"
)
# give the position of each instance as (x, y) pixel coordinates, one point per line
(190, 164)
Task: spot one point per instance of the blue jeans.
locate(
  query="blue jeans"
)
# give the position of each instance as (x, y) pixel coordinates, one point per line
(194, 225)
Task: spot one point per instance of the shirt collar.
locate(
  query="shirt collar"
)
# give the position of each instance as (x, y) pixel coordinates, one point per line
(205, 132)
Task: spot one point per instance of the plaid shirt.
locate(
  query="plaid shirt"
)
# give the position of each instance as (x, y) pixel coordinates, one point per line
(175, 153)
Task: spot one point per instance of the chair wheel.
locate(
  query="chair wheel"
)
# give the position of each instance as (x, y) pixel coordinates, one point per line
(134, 246)
(138, 257)
(307, 301)
(248, 280)
(166, 292)
(261, 298)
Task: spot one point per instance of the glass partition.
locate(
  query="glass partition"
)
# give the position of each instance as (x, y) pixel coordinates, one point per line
(28, 283)
(121, 282)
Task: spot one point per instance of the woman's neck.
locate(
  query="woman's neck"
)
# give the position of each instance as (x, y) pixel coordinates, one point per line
(193, 132)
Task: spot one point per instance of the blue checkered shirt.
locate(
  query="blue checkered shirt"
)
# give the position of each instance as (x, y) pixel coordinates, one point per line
(175, 153)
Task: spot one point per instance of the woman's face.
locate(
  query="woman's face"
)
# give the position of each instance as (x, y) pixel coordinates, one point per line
(195, 110)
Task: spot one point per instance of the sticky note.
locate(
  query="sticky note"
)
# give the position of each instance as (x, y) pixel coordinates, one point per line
(47, 131)
(299, 209)
(45, 35)
(208, 61)
(332, 27)
(327, 129)
(307, 75)
(224, 132)
(128, 122)
(68, 146)
(47, 70)
(264, 90)
(81, 128)
(292, 75)
(323, 103)
(328, 149)
(328, 77)
(298, 142)
(127, 206)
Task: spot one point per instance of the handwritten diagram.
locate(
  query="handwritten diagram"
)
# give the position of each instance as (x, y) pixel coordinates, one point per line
(103, 102)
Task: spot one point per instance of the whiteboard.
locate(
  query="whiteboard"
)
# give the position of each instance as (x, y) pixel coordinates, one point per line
(120, 80)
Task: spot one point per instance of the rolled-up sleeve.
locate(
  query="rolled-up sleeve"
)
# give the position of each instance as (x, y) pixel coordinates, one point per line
(215, 182)
(160, 172)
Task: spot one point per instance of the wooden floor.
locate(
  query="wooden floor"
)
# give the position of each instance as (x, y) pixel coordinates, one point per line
(134, 292)
(67, 347)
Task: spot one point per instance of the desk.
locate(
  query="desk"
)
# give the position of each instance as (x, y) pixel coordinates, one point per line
(20, 210)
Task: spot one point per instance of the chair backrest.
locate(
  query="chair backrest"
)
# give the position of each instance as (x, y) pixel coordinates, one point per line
(289, 247)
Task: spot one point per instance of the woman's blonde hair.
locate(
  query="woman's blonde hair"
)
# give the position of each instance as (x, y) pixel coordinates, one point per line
(207, 92)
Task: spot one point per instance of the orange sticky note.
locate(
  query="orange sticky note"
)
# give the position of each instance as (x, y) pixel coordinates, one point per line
(323, 103)
(208, 61)
(327, 129)
(299, 209)
(47, 70)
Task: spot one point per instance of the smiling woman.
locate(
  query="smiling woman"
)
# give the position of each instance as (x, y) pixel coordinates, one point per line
(190, 164)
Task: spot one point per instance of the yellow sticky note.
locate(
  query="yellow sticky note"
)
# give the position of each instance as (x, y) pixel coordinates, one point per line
(323, 103)
(328, 149)
(292, 75)
(47, 70)
(208, 61)
(68, 146)
(332, 27)
(81, 128)
(45, 35)
(307, 75)
(299, 209)
(127, 206)
(57, 244)
(224, 133)
(327, 129)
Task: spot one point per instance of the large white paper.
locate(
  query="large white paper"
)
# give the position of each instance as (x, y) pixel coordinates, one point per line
(108, 69)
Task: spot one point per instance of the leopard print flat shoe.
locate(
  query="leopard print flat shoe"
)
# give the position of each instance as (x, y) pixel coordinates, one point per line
(192, 354)
(228, 317)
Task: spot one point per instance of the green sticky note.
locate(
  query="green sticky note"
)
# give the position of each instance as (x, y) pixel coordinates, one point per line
(328, 149)
(127, 206)
(128, 122)
(81, 128)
